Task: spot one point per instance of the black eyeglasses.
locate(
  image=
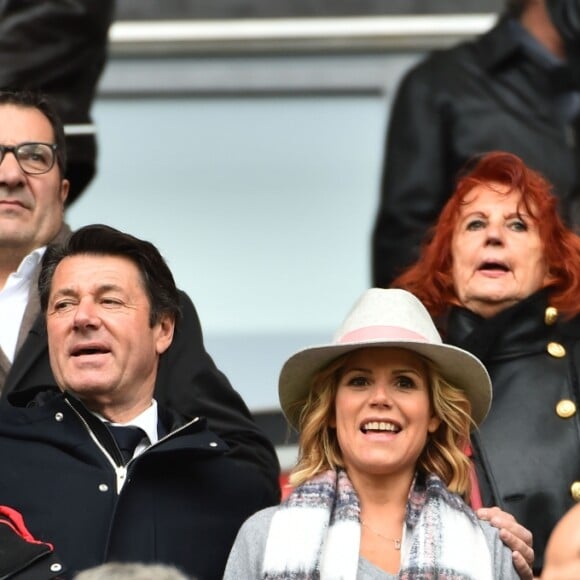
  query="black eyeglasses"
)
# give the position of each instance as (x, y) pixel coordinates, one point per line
(33, 158)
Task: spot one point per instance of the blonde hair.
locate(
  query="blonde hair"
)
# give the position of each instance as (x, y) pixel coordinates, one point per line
(443, 455)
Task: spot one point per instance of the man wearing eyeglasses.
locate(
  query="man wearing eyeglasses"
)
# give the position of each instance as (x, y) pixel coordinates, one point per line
(32, 196)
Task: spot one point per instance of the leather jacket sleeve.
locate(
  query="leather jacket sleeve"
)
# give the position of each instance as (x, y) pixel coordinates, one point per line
(415, 182)
(55, 46)
(59, 48)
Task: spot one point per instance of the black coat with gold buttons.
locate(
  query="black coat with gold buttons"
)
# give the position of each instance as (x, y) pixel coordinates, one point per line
(527, 451)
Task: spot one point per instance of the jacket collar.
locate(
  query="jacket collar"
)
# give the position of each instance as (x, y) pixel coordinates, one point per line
(502, 43)
(498, 45)
(520, 327)
(43, 395)
(63, 235)
(176, 431)
(32, 342)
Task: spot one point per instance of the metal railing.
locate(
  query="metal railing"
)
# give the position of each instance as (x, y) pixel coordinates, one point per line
(295, 34)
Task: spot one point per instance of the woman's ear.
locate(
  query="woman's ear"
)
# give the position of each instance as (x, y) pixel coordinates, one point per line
(332, 421)
(434, 423)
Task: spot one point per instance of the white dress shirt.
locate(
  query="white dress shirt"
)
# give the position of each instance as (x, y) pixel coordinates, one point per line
(14, 299)
(147, 421)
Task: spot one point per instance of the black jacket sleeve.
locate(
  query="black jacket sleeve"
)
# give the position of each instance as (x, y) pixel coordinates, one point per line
(59, 48)
(189, 382)
(415, 182)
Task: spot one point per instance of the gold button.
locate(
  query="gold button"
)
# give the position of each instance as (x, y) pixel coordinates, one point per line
(551, 315)
(566, 408)
(575, 491)
(556, 349)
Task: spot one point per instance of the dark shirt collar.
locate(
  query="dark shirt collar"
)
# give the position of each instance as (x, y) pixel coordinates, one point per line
(507, 38)
(534, 49)
(481, 335)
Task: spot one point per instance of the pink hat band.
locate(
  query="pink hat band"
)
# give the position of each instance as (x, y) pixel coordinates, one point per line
(381, 332)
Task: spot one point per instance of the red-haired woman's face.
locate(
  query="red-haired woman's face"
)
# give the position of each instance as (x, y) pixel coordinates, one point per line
(498, 256)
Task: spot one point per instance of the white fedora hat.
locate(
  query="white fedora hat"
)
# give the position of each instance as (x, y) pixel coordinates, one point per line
(394, 318)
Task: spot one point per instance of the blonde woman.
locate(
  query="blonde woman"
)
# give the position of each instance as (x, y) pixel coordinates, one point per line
(384, 414)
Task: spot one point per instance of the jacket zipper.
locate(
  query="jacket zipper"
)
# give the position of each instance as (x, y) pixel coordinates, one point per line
(120, 470)
(169, 435)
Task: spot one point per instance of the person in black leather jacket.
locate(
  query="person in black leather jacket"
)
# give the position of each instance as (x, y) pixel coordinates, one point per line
(59, 48)
(515, 88)
(502, 276)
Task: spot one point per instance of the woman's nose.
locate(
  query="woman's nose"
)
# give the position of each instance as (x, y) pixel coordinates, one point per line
(494, 235)
(381, 395)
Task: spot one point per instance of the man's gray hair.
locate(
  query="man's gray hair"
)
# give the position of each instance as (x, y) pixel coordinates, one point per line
(132, 571)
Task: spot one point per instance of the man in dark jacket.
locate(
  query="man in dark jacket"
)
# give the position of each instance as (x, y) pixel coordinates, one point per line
(31, 217)
(175, 496)
(516, 88)
(59, 48)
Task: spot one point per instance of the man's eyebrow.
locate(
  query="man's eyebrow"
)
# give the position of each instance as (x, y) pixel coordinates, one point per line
(64, 292)
(67, 291)
(108, 288)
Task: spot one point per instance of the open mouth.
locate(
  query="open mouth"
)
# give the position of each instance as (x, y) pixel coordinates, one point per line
(492, 266)
(380, 427)
(88, 351)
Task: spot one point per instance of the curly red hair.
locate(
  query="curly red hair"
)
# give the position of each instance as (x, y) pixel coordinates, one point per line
(430, 278)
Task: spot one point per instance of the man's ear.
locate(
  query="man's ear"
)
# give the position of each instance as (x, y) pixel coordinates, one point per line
(165, 328)
(64, 189)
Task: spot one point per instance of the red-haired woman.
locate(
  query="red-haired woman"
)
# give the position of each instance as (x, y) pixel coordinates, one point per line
(501, 272)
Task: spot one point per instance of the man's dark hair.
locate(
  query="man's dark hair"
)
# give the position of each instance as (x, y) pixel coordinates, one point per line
(100, 240)
(40, 101)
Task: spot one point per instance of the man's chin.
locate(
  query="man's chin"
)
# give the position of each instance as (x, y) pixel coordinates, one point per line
(88, 390)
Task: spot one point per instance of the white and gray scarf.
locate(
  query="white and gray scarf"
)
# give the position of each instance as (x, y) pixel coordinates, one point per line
(315, 534)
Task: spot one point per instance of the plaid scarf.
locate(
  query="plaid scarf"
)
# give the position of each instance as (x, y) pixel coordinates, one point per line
(315, 534)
